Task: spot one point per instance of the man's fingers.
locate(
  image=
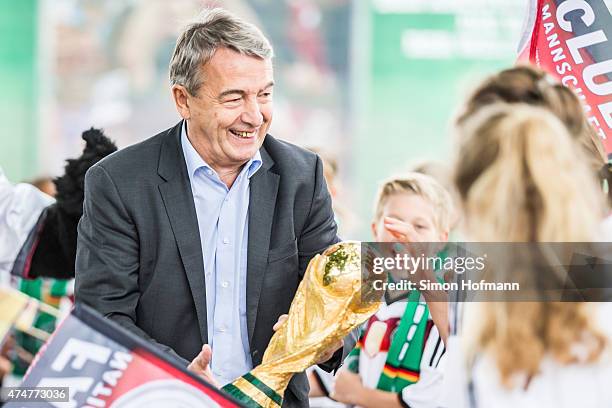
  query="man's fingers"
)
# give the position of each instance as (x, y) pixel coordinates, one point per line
(201, 365)
(326, 356)
(280, 322)
(337, 345)
(206, 354)
(197, 365)
(202, 360)
(330, 352)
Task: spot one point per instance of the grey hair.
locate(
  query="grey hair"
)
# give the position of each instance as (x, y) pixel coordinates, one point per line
(198, 42)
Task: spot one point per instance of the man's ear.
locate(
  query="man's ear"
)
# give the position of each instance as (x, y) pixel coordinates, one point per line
(444, 236)
(181, 101)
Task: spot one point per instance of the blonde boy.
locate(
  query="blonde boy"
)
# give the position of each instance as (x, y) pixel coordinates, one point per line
(391, 367)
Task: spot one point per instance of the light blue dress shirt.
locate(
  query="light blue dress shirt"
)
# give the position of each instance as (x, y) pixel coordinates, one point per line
(223, 223)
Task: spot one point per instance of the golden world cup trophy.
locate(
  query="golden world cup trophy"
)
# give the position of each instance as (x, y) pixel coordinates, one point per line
(331, 301)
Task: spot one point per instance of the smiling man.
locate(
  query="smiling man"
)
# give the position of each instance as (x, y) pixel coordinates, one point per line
(197, 238)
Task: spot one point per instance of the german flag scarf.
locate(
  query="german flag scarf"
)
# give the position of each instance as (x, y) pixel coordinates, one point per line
(402, 366)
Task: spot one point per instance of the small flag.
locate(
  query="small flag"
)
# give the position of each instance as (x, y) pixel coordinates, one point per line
(103, 365)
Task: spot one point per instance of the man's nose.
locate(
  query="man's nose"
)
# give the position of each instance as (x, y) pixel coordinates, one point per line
(252, 113)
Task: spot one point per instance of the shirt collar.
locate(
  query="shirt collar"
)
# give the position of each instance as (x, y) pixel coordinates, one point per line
(194, 161)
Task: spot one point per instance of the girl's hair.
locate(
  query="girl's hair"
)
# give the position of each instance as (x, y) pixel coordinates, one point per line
(521, 179)
(530, 85)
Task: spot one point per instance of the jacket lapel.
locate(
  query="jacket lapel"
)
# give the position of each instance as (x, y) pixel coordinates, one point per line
(263, 190)
(178, 201)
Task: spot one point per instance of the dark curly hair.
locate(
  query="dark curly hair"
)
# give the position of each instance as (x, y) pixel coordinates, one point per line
(55, 251)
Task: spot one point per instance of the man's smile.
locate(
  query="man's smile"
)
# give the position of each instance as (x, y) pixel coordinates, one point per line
(244, 134)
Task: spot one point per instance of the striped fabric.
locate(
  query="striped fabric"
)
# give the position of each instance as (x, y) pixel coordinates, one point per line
(253, 392)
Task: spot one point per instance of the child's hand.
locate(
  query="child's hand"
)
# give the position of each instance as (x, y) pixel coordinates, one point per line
(348, 388)
(401, 231)
(410, 243)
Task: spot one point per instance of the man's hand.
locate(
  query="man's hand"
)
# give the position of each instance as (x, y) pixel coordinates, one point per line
(328, 353)
(201, 366)
(281, 319)
(348, 388)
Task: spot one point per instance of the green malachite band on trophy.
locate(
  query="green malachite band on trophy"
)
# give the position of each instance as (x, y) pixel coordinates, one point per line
(270, 393)
(259, 385)
(235, 392)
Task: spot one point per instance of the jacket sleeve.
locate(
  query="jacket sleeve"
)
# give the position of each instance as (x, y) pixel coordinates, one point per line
(319, 232)
(107, 260)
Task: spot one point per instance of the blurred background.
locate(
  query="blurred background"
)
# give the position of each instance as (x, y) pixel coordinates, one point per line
(371, 84)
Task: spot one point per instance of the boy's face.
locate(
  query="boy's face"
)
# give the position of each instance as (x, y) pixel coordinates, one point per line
(407, 217)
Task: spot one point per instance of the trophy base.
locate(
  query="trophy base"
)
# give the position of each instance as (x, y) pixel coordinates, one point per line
(253, 392)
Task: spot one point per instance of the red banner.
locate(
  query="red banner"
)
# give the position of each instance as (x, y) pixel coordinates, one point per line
(104, 366)
(572, 40)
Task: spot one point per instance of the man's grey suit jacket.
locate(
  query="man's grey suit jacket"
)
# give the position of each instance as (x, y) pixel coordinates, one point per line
(139, 258)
